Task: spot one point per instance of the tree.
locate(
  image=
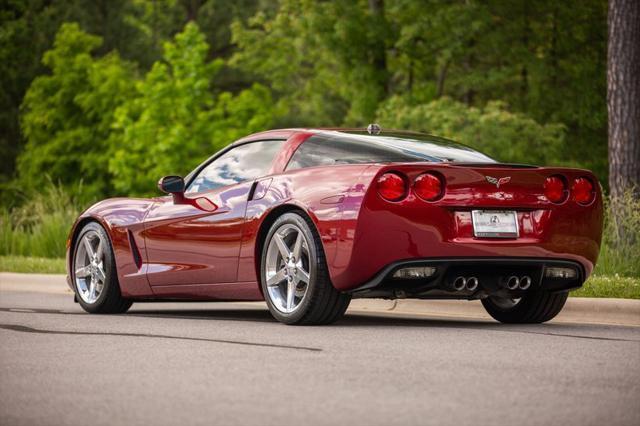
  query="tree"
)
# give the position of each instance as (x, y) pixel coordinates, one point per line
(174, 119)
(29, 29)
(301, 63)
(623, 98)
(326, 61)
(67, 115)
(493, 129)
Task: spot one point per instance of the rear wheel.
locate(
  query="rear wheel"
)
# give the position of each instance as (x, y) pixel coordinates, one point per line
(94, 273)
(535, 307)
(294, 276)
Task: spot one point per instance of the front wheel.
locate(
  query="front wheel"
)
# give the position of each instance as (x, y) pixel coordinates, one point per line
(535, 307)
(94, 272)
(294, 276)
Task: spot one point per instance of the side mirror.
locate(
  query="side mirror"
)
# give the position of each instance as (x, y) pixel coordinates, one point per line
(171, 185)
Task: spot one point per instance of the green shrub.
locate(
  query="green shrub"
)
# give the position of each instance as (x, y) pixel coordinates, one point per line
(40, 226)
(492, 129)
(620, 250)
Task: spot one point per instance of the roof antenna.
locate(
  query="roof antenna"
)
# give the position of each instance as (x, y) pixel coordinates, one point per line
(374, 129)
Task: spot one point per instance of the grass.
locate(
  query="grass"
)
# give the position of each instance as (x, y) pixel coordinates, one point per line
(39, 226)
(620, 248)
(34, 265)
(597, 286)
(610, 286)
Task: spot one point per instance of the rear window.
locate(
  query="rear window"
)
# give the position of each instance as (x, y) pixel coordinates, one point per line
(347, 148)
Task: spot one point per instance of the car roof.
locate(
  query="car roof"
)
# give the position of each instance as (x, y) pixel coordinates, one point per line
(279, 134)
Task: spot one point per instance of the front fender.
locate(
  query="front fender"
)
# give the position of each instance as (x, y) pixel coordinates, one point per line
(122, 219)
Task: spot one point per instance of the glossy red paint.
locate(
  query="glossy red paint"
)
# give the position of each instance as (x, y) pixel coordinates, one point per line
(385, 232)
(189, 252)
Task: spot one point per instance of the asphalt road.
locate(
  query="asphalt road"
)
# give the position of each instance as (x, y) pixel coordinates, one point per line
(226, 364)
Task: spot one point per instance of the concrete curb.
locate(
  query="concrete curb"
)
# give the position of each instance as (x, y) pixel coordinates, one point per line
(577, 309)
(38, 283)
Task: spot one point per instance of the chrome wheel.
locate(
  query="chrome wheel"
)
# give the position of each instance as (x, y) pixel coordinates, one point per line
(505, 302)
(287, 268)
(89, 267)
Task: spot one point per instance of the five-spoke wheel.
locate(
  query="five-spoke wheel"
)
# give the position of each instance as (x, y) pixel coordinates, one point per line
(287, 268)
(89, 266)
(294, 275)
(94, 274)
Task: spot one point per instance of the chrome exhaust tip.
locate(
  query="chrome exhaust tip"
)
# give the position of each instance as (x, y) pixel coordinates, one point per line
(525, 282)
(472, 283)
(513, 282)
(459, 283)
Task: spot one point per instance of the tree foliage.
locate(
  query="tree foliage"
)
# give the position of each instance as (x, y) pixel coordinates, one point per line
(174, 121)
(136, 89)
(67, 115)
(493, 129)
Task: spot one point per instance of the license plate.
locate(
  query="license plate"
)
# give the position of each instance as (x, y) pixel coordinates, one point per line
(495, 223)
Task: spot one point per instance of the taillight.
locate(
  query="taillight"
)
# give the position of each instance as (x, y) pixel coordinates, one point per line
(392, 187)
(428, 186)
(583, 190)
(555, 189)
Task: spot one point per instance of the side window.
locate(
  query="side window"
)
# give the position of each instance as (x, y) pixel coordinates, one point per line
(240, 164)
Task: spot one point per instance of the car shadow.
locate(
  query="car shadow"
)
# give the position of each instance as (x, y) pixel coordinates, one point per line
(351, 320)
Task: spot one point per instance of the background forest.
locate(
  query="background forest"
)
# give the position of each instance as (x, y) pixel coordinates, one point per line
(102, 97)
(116, 93)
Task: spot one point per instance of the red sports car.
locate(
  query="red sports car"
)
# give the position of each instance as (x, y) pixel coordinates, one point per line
(308, 219)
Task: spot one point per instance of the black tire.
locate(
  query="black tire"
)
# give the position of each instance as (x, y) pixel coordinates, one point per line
(322, 303)
(536, 307)
(110, 300)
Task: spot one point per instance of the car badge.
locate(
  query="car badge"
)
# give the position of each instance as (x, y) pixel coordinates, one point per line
(498, 181)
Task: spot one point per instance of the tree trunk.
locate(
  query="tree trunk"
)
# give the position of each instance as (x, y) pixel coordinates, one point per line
(442, 75)
(524, 71)
(378, 52)
(623, 96)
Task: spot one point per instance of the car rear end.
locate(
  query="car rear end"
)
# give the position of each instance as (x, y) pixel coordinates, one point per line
(461, 230)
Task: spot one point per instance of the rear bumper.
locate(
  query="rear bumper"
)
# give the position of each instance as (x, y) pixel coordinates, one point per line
(492, 274)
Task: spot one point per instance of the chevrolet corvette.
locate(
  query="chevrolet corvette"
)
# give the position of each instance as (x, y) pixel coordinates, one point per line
(307, 219)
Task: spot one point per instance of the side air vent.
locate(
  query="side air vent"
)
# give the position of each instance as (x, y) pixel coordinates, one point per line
(134, 250)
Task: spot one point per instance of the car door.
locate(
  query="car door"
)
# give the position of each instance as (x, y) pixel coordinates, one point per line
(187, 244)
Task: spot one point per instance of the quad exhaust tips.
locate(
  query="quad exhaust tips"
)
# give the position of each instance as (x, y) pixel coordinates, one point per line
(515, 283)
(525, 283)
(472, 283)
(462, 283)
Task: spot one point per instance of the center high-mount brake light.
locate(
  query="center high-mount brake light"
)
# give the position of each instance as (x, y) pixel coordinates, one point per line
(392, 187)
(428, 186)
(555, 189)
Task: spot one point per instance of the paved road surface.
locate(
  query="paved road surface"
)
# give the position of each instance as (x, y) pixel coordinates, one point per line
(225, 364)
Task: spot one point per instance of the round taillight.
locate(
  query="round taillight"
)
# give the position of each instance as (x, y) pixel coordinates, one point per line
(428, 187)
(583, 190)
(392, 187)
(555, 189)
